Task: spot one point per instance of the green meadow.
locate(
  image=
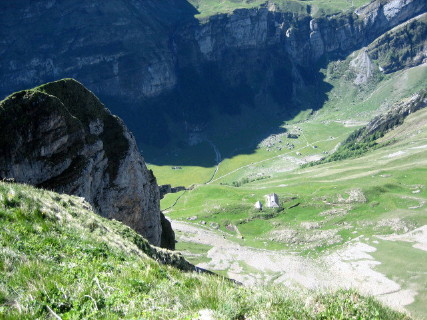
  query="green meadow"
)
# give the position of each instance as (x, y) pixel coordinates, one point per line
(322, 207)
(207, 8)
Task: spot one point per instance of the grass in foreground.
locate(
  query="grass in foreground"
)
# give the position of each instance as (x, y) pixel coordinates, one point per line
(60, 260)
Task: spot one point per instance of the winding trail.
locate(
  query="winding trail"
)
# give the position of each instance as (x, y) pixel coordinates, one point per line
(218, 160)
(272, 158)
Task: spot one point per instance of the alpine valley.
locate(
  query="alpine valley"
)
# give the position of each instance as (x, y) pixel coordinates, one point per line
(284, 163)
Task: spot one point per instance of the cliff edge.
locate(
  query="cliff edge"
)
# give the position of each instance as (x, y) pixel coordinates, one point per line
(59, 136)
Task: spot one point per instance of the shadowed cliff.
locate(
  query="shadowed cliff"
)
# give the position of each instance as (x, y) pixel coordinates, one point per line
(60, 137)
(171, 76)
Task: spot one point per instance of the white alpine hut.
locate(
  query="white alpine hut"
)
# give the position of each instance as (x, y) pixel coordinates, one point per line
(272, 200)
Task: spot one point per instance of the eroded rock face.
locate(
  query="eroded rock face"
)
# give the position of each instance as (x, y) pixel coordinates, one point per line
(343, 33)
(121, 48)
(138, 52)
(59, 136)
(395, 116)
(155, 62)
(363, 67)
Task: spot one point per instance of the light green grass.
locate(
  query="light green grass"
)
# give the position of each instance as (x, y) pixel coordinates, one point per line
(350, 102)
(347, 102)
(391, 178)
(388, 192)
(170, 199)
(405, 265)
(186, 176)
(318, 7)
(60, 260)
(194, 252)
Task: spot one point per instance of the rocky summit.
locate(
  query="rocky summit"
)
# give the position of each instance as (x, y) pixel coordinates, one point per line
(60, 137)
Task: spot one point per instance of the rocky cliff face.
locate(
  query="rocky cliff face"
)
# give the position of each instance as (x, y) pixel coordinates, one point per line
(117, 47)
(156, 64)
(383, 123)
(60, 137)
(308, 39)
(402, 47)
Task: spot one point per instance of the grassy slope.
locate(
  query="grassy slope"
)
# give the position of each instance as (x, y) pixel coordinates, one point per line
(348, 107)
(211, 7)
(387, 191)
(391, 179)
(59, 259)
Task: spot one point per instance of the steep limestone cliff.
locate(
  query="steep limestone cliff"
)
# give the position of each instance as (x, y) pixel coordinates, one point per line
(165, 72)
(60, 137)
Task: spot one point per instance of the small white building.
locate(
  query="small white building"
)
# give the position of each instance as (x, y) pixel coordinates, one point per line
(272, 200)
(258, 205)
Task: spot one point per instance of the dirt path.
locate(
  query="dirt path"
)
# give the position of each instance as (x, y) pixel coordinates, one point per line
(282, 155)
(218, 160)
(350, 267)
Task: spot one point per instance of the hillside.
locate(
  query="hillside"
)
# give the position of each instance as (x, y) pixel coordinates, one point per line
(316, 8)
(58, 259)
(355, 223)
(181, 83)
(318, 104)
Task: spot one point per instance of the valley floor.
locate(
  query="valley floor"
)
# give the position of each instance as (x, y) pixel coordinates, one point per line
(352, 266)
(358, 223)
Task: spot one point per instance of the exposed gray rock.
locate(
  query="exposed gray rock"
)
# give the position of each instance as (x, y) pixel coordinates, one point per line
(395, 116)
(144, 55)
(118, 48)
(60, 137)
(344, 33)
(167, 188)
(363, 67)
(404, 46)
(136, 55)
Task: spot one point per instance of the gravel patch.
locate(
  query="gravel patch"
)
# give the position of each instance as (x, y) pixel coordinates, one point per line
(310, 239)
(350, 267)
(419, 236)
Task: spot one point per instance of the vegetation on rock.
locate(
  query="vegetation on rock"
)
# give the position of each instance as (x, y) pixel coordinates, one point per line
(366, 138)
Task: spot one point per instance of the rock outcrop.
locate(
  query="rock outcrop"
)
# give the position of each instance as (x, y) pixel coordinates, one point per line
(403, 47)
(383, 123)
(310, 39)
(60, 137)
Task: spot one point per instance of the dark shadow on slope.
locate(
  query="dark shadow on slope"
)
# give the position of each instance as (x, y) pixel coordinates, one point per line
(56, 39)
(236, 117)
(234, 103)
